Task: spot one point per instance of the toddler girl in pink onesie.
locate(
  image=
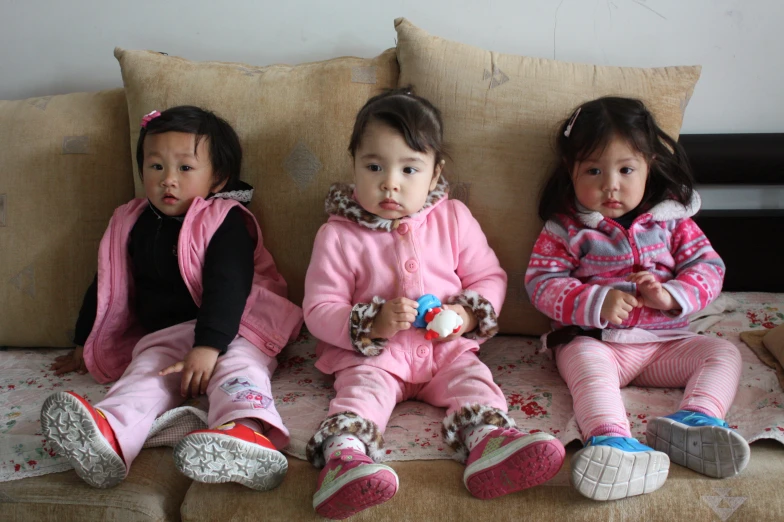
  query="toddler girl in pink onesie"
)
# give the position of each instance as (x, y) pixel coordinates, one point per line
(619, 267)
(187, 301)
(391, 237)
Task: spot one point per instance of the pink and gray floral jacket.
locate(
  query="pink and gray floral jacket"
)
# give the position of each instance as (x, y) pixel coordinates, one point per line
(577, 259)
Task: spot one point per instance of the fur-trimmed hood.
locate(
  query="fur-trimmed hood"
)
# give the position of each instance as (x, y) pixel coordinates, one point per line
(340, 203)
(667, 210)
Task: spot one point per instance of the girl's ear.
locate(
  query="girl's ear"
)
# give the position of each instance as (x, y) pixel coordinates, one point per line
(217, 188)
(437, 174)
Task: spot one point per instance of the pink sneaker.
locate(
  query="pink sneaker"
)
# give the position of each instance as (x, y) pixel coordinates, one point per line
(351, 482)
(80, 433)
(508, 460)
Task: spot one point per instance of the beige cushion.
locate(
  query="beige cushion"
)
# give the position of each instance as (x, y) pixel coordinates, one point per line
(294, 123)
(64, 167)
(153, 491)
(500, 114)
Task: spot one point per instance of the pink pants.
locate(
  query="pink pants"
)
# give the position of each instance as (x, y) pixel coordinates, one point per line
(239, 388)
(372, 392)
(595, 372)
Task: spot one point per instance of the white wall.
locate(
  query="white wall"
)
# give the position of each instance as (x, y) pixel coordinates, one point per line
(52, 47)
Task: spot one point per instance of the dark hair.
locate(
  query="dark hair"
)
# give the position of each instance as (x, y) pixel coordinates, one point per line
(224, 145)
(601, 120)
(414, 117)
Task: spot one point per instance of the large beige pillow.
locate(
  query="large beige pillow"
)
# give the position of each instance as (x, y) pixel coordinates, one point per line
(64, 167)
(294, 123)
(500, 114)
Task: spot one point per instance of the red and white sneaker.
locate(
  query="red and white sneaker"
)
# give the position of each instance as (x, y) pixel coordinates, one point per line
(351, 482)
(82, 434)
(508, 460)
(231, 453)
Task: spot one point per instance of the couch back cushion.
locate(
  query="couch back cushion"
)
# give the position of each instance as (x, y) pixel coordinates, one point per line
(65, 167)
(500, 115)
(294, 123)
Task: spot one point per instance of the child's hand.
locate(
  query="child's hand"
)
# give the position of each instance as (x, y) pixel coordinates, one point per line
(469, 321)
(653, 294)
(72, 362)
(196, 370)
(395, 315)
(617, 306)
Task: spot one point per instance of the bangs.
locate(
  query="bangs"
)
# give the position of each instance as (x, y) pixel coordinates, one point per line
(596, 144)
(634, 139)
(415, 136)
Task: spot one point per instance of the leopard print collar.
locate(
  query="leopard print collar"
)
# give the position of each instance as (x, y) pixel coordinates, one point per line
(340, 202)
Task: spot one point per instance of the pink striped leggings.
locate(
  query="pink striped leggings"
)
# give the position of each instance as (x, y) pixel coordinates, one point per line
(595, 372)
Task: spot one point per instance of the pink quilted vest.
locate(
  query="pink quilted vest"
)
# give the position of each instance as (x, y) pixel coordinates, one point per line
(269, 320)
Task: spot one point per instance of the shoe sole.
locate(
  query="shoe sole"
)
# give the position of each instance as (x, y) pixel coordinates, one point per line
(215, 458)
(358, 489)
(521, 464)
(711, 450)
(605, 473)
(71, 431)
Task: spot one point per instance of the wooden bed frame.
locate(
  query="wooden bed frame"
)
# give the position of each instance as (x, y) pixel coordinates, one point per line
(751, 242)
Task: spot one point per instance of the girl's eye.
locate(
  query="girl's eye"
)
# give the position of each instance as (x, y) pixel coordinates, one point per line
(627, 170)
(594, 172)
(156, 166)
(374, 168)
(409, 170)
(186, 168)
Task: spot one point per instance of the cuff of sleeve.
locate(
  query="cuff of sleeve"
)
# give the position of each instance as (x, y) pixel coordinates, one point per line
(677, 293)
(362, 315)
(213, 338)
(487, 320)
(596, 310)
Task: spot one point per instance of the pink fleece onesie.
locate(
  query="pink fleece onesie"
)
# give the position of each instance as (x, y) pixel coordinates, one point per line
(359, 261)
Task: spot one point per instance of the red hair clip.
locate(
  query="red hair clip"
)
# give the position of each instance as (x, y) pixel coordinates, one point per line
(149, 117)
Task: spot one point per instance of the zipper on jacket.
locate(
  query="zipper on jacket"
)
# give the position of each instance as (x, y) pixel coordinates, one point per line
(98, 334)
(635, 315)
(635, 318)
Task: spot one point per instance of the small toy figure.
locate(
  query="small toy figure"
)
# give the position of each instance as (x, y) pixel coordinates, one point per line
(442, 322)
(439, 321)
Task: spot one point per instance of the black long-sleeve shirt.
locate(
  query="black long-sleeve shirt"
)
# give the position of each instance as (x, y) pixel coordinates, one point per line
(162, 299)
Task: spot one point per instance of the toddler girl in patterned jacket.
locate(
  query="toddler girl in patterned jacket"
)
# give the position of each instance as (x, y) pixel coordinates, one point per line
(187, 301)
(390, 238)
(619, 267)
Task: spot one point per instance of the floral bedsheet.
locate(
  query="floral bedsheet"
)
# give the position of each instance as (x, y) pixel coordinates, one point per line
(537, 397)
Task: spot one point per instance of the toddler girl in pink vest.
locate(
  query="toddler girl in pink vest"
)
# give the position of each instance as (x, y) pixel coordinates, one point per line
(187, 301)
(391, 237)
